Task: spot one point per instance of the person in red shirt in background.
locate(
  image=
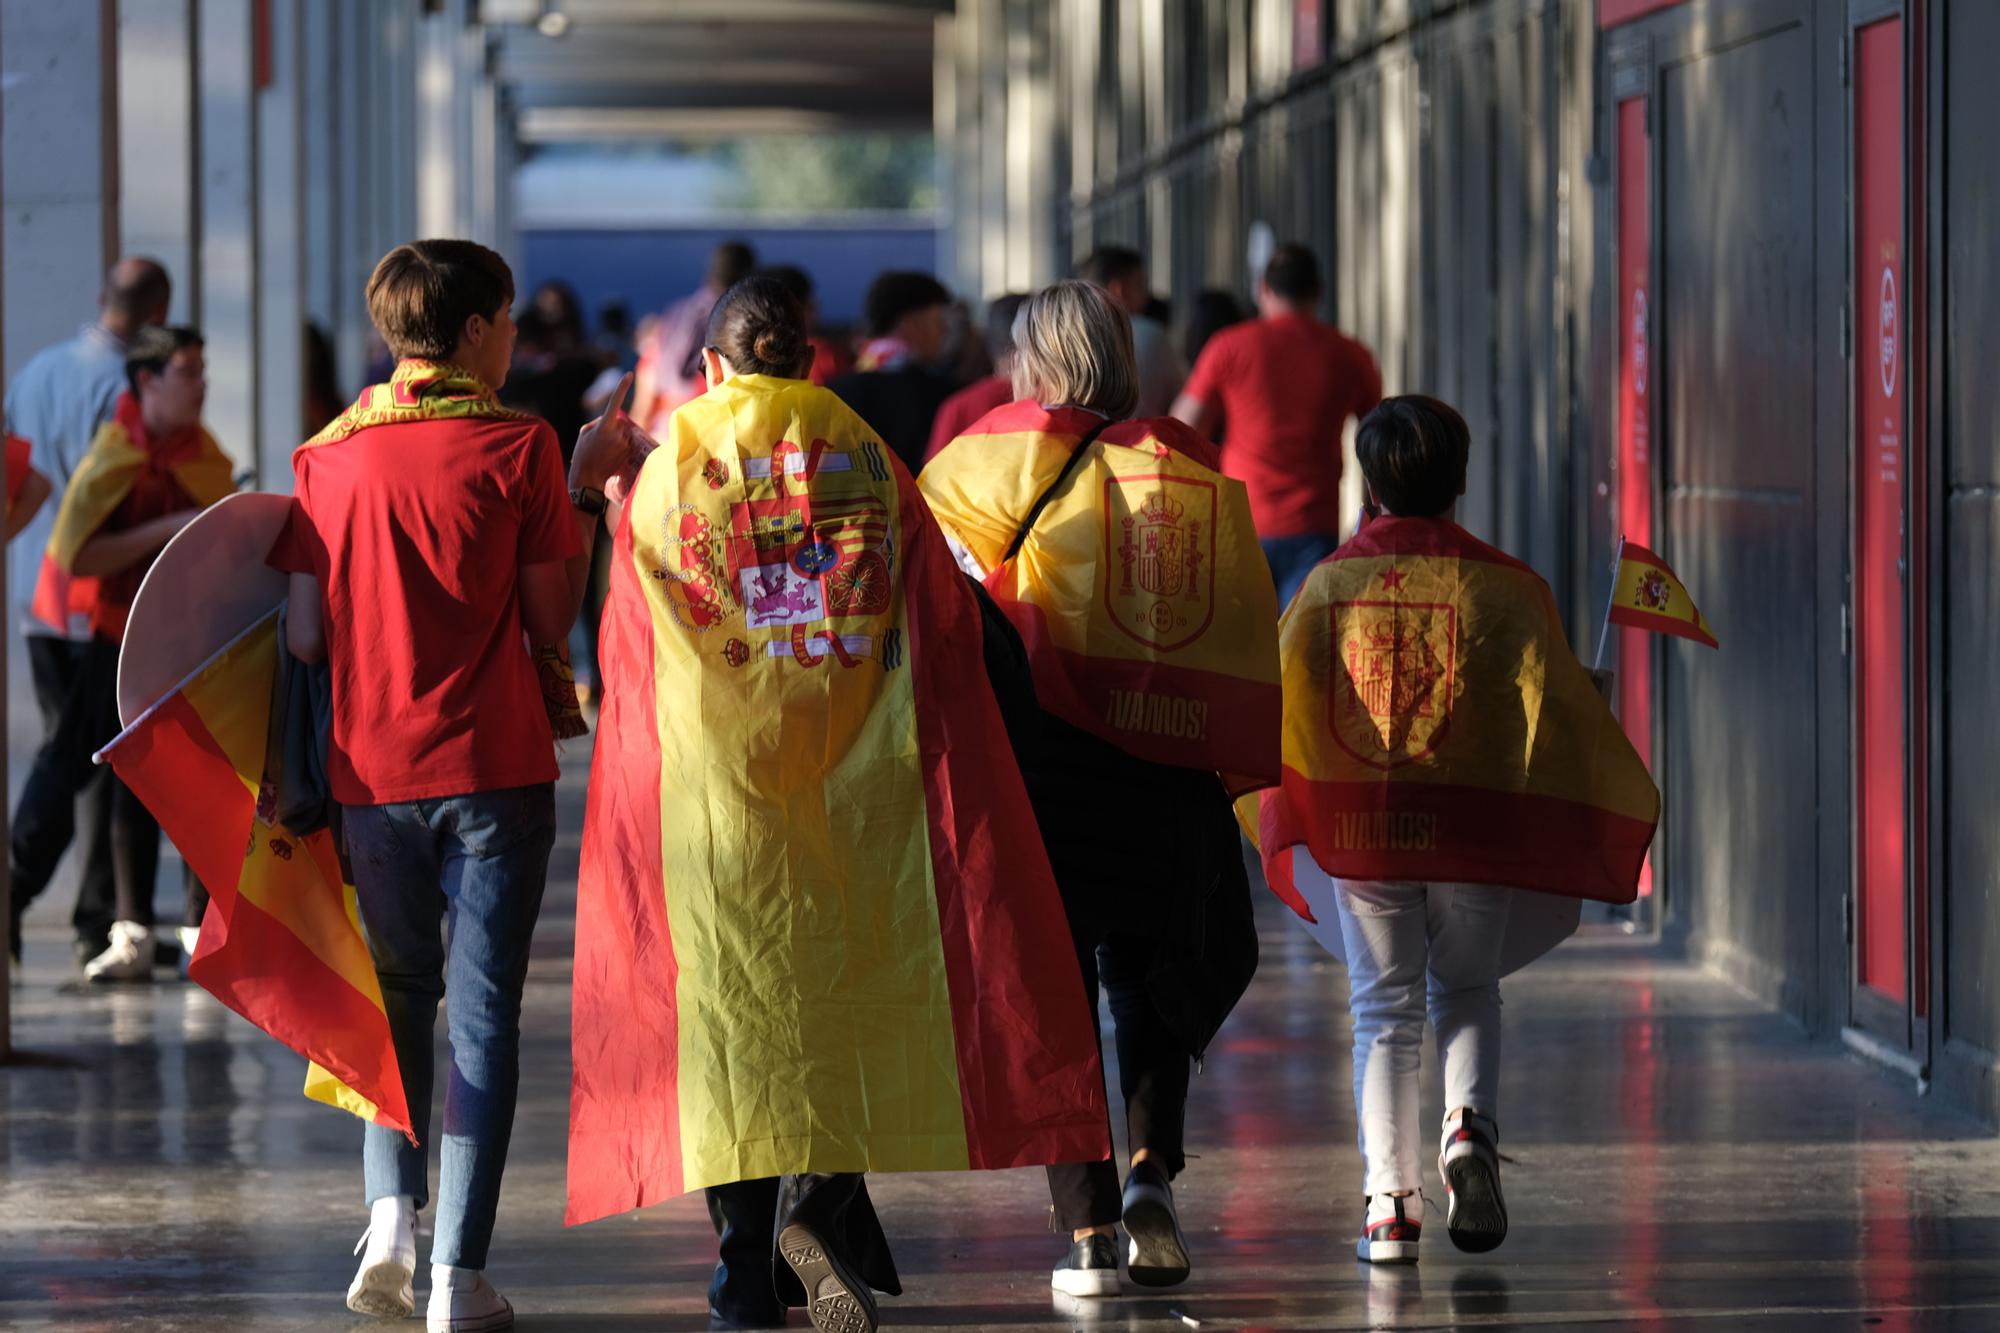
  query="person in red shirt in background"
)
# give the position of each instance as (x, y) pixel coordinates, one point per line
(981, 396)
(147, 473)
(1287, 383)
(432, 537)
(27, 489)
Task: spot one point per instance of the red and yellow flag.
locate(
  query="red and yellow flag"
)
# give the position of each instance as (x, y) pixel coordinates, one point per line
(122, 459)
(816, 929)
(1141, 592)
(281, 944)
(1438, 727)
(1649, 595)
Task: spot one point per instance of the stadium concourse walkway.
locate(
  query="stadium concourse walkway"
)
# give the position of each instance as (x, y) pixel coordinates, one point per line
(1680, 1160)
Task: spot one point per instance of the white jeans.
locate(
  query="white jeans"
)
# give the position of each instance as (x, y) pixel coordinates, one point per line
(1406, 943)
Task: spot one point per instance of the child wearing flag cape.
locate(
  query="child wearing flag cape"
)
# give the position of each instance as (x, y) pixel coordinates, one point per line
(1131, 569)
(1453, 786)
(811, 901)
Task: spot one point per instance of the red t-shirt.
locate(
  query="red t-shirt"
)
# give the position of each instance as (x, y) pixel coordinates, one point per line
(417, 532)
(1286, 386)
(966, 406)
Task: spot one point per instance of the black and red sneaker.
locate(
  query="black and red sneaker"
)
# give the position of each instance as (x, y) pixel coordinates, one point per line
(1390, 1229)
(1469, 1160)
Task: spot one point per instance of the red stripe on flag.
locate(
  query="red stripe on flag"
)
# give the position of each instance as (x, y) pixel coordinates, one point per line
(268, 975)
(179, 772)
(625, 1117)
(1237, 734)
(1472, 835)
(1027, 1055)
(1659, 624)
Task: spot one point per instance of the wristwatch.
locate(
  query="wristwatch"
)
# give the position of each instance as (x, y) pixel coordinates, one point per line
(590, 500)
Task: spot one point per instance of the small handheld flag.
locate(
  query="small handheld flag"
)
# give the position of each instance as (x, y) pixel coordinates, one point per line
(1647, 594)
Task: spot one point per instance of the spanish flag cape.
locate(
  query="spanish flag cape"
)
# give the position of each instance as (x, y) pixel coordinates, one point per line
(1140, 589)
(1438, 727)
(282, 942)
(122, 458)
(816, 929)
(433, 391)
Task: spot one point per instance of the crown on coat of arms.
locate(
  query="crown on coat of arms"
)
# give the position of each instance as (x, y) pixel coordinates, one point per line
(1161, 508)
(1390, 635)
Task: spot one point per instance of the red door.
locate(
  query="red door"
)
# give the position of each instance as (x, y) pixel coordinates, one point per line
(1881, 635)
(1635, 446)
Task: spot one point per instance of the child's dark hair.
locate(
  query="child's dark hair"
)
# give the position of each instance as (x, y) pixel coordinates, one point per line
(760, 328)
(1413, 451)
(153, 348)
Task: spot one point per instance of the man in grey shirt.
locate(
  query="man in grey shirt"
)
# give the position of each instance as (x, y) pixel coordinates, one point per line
(56, 403)
(1122, 273)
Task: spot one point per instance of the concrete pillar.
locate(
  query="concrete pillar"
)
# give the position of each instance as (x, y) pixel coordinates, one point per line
(158, 142)
(283, 240)
(228, 203)
(59, 180)
(58, 63)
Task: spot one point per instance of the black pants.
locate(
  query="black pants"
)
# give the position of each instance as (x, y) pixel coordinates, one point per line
(752, 1286)
(1152, 1067)
(76, 685)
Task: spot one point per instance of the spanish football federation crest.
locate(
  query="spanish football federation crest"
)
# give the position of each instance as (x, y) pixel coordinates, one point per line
(1392, 679)
(1160, 584)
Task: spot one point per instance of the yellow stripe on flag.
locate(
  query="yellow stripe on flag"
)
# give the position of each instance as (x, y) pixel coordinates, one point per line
(795, 850)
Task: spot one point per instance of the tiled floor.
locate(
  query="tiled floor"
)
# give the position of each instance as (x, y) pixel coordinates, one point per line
(1681, 1160)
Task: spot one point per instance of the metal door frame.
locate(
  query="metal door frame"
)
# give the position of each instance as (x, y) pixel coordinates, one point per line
(1890, 1031)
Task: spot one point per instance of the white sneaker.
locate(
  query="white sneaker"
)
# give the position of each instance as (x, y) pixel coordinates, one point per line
(129, 956)
(382, 1285)
(1469, 1160)
(1390, 1229)
(463, 1301)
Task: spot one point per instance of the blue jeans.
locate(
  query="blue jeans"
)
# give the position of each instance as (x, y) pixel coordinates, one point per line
(1292, 558)
(478, 863)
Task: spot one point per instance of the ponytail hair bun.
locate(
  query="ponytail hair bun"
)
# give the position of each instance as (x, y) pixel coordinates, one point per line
(760, 328)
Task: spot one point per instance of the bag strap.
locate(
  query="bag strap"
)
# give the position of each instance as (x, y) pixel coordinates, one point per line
(1043, 500)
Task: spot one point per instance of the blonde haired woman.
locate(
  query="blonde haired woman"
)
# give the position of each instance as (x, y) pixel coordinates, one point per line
(1130, 568)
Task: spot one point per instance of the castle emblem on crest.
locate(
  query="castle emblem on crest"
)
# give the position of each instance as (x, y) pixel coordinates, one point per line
(1161, 590)
(1654, 594)
(1392, 680)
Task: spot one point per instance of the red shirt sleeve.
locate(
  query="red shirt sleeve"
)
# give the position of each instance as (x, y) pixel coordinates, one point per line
(1204, 382)
(17, 466)
(298, 549)
(548, 524)
(1369, 376)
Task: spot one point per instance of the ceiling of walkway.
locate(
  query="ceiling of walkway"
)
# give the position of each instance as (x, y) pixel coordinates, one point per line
(592, 70)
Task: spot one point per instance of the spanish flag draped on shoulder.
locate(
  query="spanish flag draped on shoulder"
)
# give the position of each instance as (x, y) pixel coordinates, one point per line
(124, 467)
(1438, 727)
(816, 929)
(1140, 589)
(281, 943)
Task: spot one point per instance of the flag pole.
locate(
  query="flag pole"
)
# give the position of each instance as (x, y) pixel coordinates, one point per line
(1617, 560)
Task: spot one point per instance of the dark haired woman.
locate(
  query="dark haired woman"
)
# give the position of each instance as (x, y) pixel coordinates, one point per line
(805, 825)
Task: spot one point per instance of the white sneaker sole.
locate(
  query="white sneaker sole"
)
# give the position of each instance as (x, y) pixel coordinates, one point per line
(837, 1300)
(490, 1322)
(1085, 1281)
(383, 1289)
(1157, 1256)
(1385, 1251)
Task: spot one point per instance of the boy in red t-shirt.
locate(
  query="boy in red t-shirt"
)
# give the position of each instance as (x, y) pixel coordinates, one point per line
(432, 537)
(1286, 384)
